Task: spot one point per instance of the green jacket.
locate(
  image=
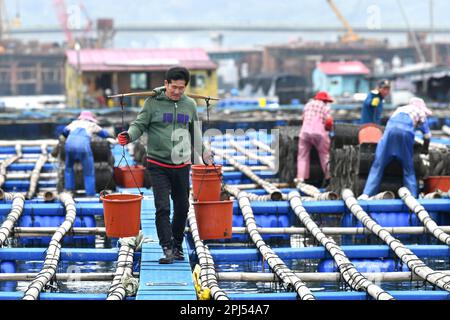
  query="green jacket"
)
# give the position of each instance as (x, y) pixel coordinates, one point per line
(170, 126)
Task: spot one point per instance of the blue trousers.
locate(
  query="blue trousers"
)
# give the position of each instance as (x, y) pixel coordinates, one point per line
(87, 162)
(397, 143)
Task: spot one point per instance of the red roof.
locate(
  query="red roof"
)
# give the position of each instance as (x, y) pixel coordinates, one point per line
(139, 59)
(343, 68)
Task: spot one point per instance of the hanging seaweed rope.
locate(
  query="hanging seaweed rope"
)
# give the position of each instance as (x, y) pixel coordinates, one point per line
(416, 265)
(7, 162)
(53, 252)
(35, 175)
(351, 275)
(124, 284)
(206, 277)
(7, 227)
(276, 264)
(423, 216)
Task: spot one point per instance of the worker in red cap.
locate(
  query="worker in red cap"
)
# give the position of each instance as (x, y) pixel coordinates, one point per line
(317, 121)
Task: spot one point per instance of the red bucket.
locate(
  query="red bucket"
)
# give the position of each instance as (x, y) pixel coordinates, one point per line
(123, 176)
(122, 214)
(370, 133)
(434, 183)
(206, 188)
(206, 182)
(200, 169)
(214, 219)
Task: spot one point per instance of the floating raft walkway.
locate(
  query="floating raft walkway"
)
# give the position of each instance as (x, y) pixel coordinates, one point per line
(405, 241)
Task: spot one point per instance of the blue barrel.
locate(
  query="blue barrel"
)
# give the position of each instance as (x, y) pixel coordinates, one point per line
(394, 219)
(8, 267)
(365, 265)
(56, 221)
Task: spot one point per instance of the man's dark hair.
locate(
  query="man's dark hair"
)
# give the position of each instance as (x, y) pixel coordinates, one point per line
(178, 73)
(384, 84)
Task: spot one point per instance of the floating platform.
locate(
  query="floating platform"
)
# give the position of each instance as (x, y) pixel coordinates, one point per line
(239, 263)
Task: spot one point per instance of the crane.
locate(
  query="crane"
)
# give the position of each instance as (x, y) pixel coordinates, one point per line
(350, 36)
(61, 11)
(63, 17)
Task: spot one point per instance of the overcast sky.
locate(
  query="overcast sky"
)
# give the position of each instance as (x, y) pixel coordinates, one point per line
(361, 13)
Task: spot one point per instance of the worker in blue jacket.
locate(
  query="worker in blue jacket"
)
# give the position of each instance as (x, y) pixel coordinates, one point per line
(372, 108)
(78, 147)
(398, 143)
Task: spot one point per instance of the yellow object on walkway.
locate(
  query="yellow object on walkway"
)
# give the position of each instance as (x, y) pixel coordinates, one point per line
(203, 293)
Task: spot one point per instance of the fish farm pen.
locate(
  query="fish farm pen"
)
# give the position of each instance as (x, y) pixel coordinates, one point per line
(289, 240)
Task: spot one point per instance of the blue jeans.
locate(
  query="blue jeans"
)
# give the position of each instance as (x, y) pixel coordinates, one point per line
(87, 162)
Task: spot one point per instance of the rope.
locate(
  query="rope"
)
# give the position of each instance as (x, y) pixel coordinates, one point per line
(407, 256)
(34, 179)
(16, 211)
(348, 271)
(423, 216)
(124, 284)
(8, 161)
(206, 278)
(53, 251)
(123, 154)
(276, 264)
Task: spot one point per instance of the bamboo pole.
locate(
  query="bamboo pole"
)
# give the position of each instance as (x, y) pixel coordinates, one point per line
(338, 230)
(252, 155)
(435, 195)
(275, 193)
(153, 93)
(256, 186)
(24, 176)
(28, 143)
(423, 216)
(49, 196)
(347, 269)
(262, 168)
(45, 231)
(276, 264)
(95, 276)
(261, 145)
(234, 191)
(413, 262)
(53, 252)
(385, 195)
(319, 276)
(16, 211)
(312, 191)
(208, 278)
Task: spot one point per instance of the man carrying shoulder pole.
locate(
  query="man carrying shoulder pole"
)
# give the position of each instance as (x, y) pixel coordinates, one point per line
(170, 119)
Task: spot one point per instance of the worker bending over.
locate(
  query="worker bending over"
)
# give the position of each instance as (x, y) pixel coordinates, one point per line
(78, 147)
(398, 143)
(317, 121)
